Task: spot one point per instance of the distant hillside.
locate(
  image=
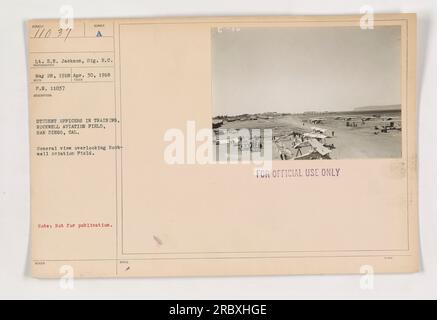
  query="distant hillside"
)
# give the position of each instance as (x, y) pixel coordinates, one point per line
(394, 107)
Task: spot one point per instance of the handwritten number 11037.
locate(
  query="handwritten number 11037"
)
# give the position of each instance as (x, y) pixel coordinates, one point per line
(47, 33)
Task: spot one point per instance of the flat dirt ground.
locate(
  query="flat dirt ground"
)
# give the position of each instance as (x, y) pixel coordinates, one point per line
(358, 142)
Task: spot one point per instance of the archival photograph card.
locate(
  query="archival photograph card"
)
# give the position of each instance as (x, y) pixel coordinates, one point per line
(170, 146)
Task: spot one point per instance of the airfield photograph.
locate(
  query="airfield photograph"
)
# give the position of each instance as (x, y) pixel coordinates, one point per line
(348, 135)
(326, 93)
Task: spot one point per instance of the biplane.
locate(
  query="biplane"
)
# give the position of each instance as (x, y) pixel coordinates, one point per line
(317, 120)
(350, 118)
(318, 130)
(316, 136)
(368, 118)
(391, 125)
(390, 118)
(315, 150)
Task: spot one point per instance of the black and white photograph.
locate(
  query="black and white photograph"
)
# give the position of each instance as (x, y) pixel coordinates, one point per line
(324, 92)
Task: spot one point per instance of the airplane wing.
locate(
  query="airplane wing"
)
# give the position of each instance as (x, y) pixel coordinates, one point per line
(319, 147)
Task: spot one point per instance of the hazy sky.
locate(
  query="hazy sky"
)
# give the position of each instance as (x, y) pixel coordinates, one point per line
(304, 69)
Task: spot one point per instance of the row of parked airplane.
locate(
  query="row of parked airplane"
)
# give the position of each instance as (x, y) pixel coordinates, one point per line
(351, 118)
